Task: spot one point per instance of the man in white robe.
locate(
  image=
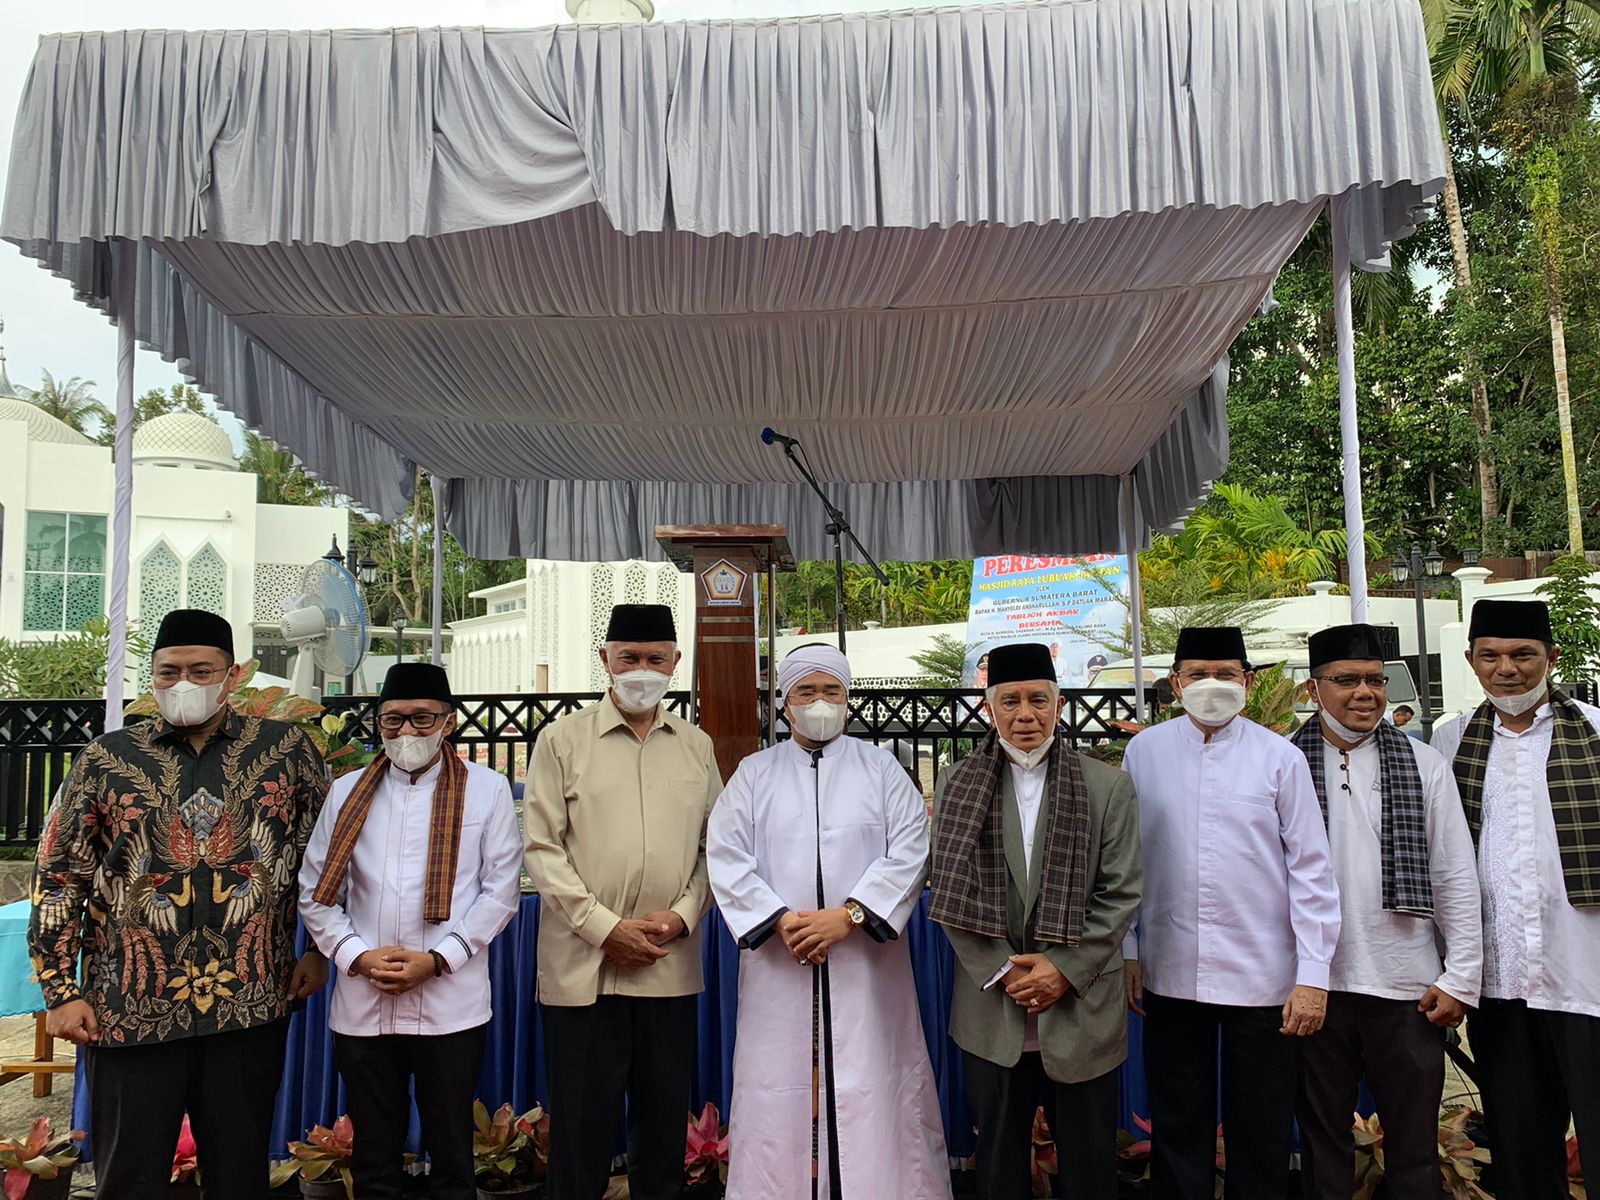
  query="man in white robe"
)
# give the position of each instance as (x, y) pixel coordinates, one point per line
(817, 851)
(412, 870)
(1408, 886)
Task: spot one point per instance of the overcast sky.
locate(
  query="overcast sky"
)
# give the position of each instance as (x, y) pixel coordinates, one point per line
(45, 329)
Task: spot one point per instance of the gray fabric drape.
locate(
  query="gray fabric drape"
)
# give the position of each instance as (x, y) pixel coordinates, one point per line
(981, 260)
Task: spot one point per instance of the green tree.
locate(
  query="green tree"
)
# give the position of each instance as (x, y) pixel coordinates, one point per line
(1574, 615)
(943, 661)
(1529, 54)
(180, 397)
(70, 401)
(69, 667)
(279, 477)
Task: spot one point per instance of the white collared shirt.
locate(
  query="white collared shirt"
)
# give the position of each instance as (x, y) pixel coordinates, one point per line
(382, 902)
(1028, 784)
(1240, 904)
(1536, 946)
(1388, 954)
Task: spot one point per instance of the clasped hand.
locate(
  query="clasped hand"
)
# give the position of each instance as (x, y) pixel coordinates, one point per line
(394, 969)
(1034, 982)
(638, 942)
(807, 935)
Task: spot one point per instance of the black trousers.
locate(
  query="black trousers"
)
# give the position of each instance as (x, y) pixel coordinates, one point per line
(1082, 1116)
(620, 1048)
(1401, 1054)
(1260, 1081)
(380, 1075)
(1535, 1068)
(226, 1082)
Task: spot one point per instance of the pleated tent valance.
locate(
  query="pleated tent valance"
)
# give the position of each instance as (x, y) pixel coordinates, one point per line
(984, 262)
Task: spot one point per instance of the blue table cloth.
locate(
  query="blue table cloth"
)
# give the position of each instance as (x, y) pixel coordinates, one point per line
(513, 1067)
(19, 994)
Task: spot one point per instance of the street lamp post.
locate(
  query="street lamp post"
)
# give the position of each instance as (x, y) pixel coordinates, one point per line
(1423, 572)
(399, 634)
(363, 570)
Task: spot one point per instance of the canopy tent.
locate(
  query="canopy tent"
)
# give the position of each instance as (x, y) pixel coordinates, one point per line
(985, 262)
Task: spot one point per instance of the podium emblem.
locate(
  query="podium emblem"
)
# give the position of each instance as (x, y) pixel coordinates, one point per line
(724, 584)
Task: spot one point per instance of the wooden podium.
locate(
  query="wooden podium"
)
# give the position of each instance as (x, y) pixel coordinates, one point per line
(727, 561)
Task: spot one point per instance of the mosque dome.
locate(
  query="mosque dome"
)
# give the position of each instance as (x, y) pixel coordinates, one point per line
(42, 427)
(184, 439)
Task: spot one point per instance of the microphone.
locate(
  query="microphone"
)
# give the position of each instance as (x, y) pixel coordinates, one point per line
(769, 435)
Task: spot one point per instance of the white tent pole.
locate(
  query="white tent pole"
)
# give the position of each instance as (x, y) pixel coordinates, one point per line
(438, 569)
(121, 546)
(1355, 525)
(1130, 542)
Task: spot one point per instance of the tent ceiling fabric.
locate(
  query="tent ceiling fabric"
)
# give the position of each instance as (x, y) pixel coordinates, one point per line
(982, 261)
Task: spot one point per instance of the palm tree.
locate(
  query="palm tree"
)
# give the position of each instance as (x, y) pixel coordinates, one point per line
(1519, 50)
(279, 478)
(70, 401)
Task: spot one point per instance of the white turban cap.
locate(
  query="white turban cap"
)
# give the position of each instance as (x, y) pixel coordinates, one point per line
(807, 660)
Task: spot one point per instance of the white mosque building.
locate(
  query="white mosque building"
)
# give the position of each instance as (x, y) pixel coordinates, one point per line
(200, 540)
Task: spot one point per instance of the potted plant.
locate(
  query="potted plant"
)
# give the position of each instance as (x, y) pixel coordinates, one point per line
(705, 1154)
(321, 1163)
(40, 1165)
(1133, 1159)
(512, 1152)
(185, 1183)
(1044, 1163)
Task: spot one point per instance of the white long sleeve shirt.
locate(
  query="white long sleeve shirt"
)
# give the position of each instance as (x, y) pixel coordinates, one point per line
(382, 902)
(1240, 904)
(1387, 954)
(1536, 946)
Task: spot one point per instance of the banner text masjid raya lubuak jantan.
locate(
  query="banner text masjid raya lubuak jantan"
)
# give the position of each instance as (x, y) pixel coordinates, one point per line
(1077, 606)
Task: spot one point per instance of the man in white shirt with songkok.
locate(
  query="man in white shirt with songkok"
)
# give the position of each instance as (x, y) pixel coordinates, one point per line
(1408, 884)
(816, 852)
(1237, 927)
(412, 870)
(1527, 764)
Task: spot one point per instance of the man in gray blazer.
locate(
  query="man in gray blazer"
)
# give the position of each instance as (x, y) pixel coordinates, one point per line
(1036, 878)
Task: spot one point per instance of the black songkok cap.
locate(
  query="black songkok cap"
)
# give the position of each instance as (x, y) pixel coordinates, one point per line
(641, 623)
(194, 627)
(1211, 643)
(416, 681)
(1345, 641)
(1511, 619)
(1020, 662)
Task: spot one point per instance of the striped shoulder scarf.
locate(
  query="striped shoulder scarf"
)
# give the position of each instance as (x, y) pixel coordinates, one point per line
(1403, 832)
(969, 860)
(1573, 776)
(444, 834)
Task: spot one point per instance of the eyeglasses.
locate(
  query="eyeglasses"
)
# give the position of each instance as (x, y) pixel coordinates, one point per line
(1225, 675)
(199, 675)
(422, 722)
(834, 693)
(1378, 683)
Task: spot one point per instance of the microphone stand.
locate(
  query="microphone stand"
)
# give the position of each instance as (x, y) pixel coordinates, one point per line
(837, 528)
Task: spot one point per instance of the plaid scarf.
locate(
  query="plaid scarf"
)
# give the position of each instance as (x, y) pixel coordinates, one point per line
(969, 861)
(1403, 831)
(444, 835)
(1573, 775)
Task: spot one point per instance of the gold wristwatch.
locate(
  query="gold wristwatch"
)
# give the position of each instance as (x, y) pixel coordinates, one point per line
(858, 915)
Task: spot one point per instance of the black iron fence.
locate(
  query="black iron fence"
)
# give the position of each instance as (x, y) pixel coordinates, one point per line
(926, 729)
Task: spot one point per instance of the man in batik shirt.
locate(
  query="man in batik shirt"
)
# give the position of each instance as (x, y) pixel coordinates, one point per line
(169, 864)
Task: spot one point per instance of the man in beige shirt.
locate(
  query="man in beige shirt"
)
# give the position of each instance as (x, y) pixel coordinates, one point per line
(615, 829)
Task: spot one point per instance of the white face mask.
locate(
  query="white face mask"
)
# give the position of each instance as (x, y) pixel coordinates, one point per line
(1028, 759)
(187, 704)
(410, 752)
(1515, 706)
(819, 721)
(640, 691)
(1213, 701)
(1343, 732)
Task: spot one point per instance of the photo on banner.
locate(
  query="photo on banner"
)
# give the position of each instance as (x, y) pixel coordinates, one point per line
(1077, 606)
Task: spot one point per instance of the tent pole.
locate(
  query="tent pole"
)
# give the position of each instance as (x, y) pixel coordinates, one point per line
(438, 569)
(772, 649)
(127, 267)
(1349, 429)
(1130, 543)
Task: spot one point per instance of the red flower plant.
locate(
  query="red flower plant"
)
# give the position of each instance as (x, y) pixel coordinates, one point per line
(41, 1153)
(706, 1151)
(186, 1158)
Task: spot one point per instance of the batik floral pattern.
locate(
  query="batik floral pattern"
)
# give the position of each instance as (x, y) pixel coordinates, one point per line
(171, 876)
